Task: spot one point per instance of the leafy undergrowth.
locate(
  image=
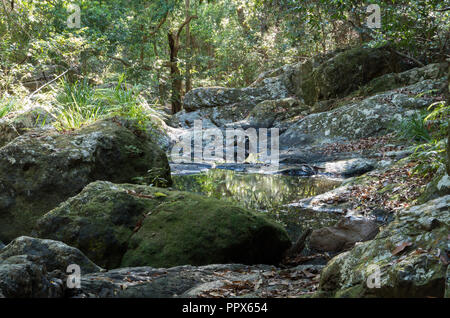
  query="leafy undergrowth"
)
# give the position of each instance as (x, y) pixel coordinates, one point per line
(286, 283)
(393, 189)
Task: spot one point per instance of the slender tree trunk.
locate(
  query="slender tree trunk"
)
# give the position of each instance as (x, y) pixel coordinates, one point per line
(188, 49)
(174, 73)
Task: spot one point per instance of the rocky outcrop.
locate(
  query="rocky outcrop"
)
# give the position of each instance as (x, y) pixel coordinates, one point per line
(370, 117)
(343, 73)
(271, 113)
(23, 277)
(31, 268)
(54, 255)
(343, 235)
(411, 254)
(128, 225)
(395, 80)
(40, 170)
(219, 96)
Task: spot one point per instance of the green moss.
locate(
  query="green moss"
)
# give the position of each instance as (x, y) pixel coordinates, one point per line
(158, 227)
(198, 231)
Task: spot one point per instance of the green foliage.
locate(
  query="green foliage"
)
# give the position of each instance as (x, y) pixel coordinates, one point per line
(153, 178)
(429, 131)
(415, 128)
(80, 103)
(7, 105)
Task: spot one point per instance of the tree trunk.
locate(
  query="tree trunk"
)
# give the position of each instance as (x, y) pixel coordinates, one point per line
(175, 75)
(188, 49)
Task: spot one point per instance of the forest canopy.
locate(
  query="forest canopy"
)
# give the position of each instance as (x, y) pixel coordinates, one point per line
(174, 45)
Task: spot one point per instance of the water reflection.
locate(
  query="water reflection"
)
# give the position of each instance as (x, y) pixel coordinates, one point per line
(268, 193)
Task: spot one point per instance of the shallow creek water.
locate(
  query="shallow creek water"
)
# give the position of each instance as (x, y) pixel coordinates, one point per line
(267, 193)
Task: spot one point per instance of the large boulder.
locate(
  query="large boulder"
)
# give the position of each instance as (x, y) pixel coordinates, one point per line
(129, 225)
(270, 113)
(40, 170)
(53, 254)
(409, 256)
(343, 235)
(343, 73)
(207, 97)
(22, 276)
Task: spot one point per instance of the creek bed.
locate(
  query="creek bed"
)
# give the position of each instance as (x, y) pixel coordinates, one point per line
(267, 193)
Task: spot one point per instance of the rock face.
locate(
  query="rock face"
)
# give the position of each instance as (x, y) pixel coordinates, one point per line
(38, 171)
(53, 254)
(343, 235)
(370, 117)
(393, 80)
(23, 277)
(411, 254)
(31, 267)
(129, 225)
(342, 74)
(219, 96)
(269, 113)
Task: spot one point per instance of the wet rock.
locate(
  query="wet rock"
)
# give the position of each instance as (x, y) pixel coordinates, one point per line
(1, 245)
(128, 225)
(38, 171)
(348, 168)
(411, 254)
(22, 276)
(343, 235)
(53, 254)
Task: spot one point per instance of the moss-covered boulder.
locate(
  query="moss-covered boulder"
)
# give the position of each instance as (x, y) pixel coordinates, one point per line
(343, 73)
(40, 170)
(130, 225)
(411, 254)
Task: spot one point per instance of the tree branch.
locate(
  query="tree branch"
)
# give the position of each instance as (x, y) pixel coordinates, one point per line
(188, 20)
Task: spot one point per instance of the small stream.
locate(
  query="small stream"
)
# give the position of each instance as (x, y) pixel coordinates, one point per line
(267, 193)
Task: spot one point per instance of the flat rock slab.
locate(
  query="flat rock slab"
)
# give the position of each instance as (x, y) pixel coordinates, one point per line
(214, 281)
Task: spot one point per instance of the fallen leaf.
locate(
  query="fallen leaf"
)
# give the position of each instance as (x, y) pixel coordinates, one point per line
(400, 248)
